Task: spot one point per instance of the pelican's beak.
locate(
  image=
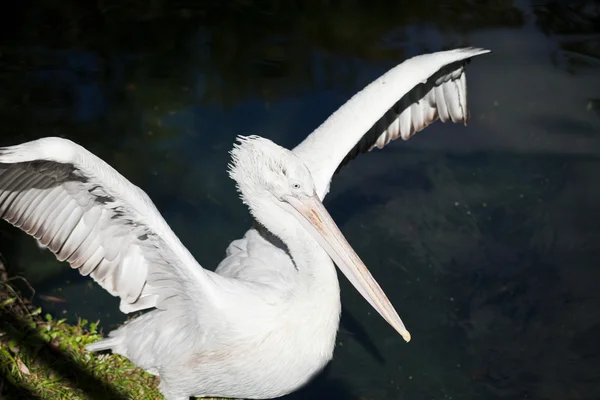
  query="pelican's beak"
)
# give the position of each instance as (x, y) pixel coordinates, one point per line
(314, 217)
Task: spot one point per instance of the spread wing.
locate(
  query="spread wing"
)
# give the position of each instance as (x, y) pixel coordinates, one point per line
(398, 104)
(88, 214)
(443, 96)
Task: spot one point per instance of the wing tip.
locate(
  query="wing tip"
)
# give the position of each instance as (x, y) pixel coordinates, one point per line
(476, 50)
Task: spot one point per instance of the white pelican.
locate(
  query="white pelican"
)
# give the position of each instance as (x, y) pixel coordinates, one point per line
(265, 321)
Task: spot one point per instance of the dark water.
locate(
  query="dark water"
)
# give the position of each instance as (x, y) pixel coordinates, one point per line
(485, 237)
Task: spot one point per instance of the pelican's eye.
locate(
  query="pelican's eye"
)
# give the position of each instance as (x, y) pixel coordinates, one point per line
(295, 185)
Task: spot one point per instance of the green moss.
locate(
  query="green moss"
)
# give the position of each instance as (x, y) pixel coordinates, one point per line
(44, 358)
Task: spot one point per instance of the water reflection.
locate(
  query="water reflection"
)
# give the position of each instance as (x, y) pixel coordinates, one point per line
(483, 237)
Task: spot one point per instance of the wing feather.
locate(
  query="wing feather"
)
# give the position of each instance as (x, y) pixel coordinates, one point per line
(86, 213)
(36, 195)
(442, 97)
(50, 201)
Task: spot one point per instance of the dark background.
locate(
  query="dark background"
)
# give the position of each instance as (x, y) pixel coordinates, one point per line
(485, 237)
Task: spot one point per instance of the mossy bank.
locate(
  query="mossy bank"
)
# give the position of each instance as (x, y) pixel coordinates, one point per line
(44, 358)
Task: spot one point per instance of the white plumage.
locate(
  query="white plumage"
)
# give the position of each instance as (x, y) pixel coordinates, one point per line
(399, 103)
(265, 321)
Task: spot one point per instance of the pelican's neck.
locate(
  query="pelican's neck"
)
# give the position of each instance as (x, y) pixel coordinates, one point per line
(315, 268)
(316, 293)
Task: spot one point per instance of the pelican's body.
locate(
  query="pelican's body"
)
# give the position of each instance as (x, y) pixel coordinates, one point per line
(241, 347)
(265, 321)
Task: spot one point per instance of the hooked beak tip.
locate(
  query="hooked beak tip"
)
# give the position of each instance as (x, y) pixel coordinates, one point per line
(406, 336)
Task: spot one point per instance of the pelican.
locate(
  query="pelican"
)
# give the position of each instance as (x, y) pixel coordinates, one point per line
(265, 321)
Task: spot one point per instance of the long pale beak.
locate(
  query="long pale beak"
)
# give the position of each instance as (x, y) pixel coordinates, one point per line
(315, 218)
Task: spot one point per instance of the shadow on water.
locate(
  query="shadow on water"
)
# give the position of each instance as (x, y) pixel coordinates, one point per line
(323, 387)
(350, 324)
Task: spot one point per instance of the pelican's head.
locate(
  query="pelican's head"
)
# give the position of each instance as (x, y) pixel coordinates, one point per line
(280, 192)
(264, 170)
